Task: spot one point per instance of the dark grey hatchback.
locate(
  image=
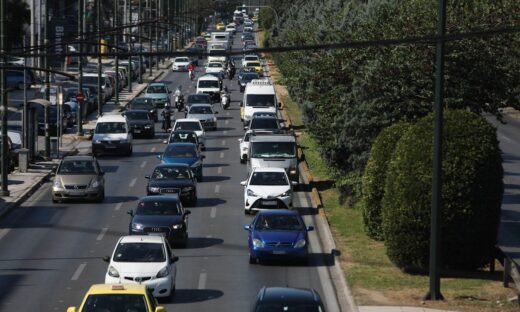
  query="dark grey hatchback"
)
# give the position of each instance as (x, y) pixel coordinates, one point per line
(285, 299)
(162, 216)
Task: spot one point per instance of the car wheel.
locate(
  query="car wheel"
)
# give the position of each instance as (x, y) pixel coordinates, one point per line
(193, 202)
(129, 152)
(55, 200)
(101, 197)
(247, 211)
(252, 260)
(152, 135)
(242, 161)
(200, 178)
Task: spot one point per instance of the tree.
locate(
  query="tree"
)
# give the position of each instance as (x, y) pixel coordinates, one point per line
(472, 191)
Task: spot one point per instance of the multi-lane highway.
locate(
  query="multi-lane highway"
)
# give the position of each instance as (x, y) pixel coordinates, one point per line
(51, 253)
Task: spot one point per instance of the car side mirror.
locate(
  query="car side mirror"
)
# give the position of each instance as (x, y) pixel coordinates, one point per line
(165, 141)
(246, 128)
(244, 183)
(160, 309)
(203, 156)
(71, 309)
(174, 259)
(247, 227)
(240, 140)
(215, 113)
(159, 156)
(147, 177)
(294, 183)
(130, 212)
(310, 228)
(241, 104)
(187, 212)
(106, 259)
(102, 173)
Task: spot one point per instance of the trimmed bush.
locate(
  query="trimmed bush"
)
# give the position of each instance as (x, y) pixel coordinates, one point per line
(472, 190)
(375, 176)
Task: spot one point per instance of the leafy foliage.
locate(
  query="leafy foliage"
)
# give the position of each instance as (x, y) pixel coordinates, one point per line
(349, 95)
(375, 176)
(472, 190)
(17, 16)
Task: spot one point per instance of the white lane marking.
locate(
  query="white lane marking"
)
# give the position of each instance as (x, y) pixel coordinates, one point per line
(221, 154)
(4, 232)
(225, 131)
(132, 183)
(226, 122)
(143, 164)
(223, 142)
(102, 234)
(219, 170)
(213, 212)
(153, 149)
(209, 236)
(78, 271)
(227, 113)
(118, 206)
(217, 188)
(505, 138)
(202, 280)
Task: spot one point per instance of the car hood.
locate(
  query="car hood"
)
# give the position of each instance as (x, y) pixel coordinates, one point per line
(171, 183)
(179, 160)
(156, 95)
(181, 63)
(141, 268)
(110, 136)
(270, 236)
(200, 116)
(161, 220)
(78, 179)
(269, 191)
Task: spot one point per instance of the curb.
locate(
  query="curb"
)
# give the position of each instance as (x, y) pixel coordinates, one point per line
(26, 194)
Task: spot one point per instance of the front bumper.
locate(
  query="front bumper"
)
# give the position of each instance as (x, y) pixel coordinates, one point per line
(159, 287)
(144, 131)
(76, 192)
(177, 236)
(111, 147)
(277, 253)
(253, 203)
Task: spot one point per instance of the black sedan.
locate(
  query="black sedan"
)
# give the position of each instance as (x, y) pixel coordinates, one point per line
(144, 103)
(173, 179)
(246, 78)
(161, 215)
(141, 123)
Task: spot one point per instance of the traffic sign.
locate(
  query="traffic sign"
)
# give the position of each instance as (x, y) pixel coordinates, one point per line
(80, 97)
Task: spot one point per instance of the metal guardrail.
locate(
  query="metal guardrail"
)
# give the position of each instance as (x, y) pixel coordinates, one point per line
(510, 274)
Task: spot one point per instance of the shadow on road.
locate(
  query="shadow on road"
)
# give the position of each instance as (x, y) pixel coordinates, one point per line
(195, 295)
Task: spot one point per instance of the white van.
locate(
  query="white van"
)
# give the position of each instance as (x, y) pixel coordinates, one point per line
(218, 46)
(211, 85)
(274, 151)
(259, 95)
(112, 135)
(221, 36)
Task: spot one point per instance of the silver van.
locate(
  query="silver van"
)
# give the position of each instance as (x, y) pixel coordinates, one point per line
(275, 151)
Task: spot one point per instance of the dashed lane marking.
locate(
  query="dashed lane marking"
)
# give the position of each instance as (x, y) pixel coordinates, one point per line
(143, 164)
(102, 234)
(78, 271)
(202, 280)
(132, 183)
(213, 212)
(118, 206)
(217, 188)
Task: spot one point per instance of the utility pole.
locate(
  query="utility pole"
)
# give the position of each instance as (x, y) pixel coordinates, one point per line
(47, 82)
(140, 31)
(79, 117)
(25, 128)
(157, 32)
(150, 58)
(3, 94)
(435, 281)
(129, 42)
(98, 39)
(116, 41)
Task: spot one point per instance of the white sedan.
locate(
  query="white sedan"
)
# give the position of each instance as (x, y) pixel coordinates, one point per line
(267, 188)
(144, 260)
(181, 63)
(215, 68)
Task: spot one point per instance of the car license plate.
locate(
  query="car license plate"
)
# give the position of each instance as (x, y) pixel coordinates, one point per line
(269, 202)
(157, 233)
(278, 252)
(137, 131)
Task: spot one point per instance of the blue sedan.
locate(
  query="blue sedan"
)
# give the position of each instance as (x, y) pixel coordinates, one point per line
(277, 234)
(183, 153)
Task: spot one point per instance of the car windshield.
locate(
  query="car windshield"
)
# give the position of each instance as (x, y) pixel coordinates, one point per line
(264, 123)
(215, 65)
(268, 178)
(77, 167)
(157, 208)
(156, 89)
(199, 98)
(263, 100)
(273, 150)
(279, 223)
(180, 151)
(182, 60)
(208, 84)
(167, 173)
(201, 110)
(111, 127)
(292, 307)
(137, 115)
(139, 252)
(188, 125)
(115, 303)
(183, 137)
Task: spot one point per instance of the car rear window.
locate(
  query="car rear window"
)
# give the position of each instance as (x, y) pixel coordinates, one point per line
(139, 252)
(114, 302)
(158, 208)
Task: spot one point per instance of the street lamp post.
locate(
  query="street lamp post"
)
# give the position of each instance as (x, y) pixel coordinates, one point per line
(79, 117)
(100, 90)
(116, 41)
(3, 94)
(139, 21)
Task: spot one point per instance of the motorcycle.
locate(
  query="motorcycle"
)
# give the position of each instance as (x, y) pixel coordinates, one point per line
(179, 102)
(225, 100)
(191, 74)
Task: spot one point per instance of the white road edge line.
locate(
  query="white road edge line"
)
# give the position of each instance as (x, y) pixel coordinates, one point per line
(143, 164)
(223, 142)
(225, 131)
(213, 213)
(132, 183)
(226, 122)
(118, 206)
(202, 280)
(4, 232)
(102, 234)
(153, 149)
(217, 188)
(221, 154)
(219, 170)
(78, 271)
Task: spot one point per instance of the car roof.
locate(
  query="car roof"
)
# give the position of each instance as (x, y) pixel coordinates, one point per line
(268, 169)
(187, 119)
(109, 118)
(273, 138)
(201, 105)
(288, 295)
(132, 110)
(155, 84)
(208, 77)
(98, 289)
(143, 238)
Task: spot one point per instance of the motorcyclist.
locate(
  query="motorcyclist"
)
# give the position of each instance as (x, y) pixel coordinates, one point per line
(191, 70)
(231, 70)
(225, 99)
(179, 98)
(167, 115)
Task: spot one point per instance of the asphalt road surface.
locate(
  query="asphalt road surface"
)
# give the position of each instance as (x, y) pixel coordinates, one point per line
(51, 253)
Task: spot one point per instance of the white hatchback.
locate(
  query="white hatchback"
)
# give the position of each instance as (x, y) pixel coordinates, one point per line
(144, 260)
(267, 188)
(181, 63)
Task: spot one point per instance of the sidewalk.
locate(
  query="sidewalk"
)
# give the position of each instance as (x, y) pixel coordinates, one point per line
(22, 185)
(396, 309)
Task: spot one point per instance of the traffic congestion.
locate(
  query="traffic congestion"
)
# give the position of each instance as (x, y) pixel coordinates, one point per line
(199, 168)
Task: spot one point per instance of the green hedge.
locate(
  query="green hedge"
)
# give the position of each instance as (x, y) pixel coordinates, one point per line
(375, 175)
(472, 190)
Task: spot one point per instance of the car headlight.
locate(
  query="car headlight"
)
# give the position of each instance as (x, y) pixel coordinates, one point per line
(94, 183)
(154, 189)
(148, 126)
(301, 243)
(187, 188)
(258, 243)
(177, 226)
(57, 183)
(137, 226)
(112, 272)
(244, 149)
(285, 194)
(251, 193)
(196, 164)
(292, 170)
(152, 111)
(97, 141)
(163, 272)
